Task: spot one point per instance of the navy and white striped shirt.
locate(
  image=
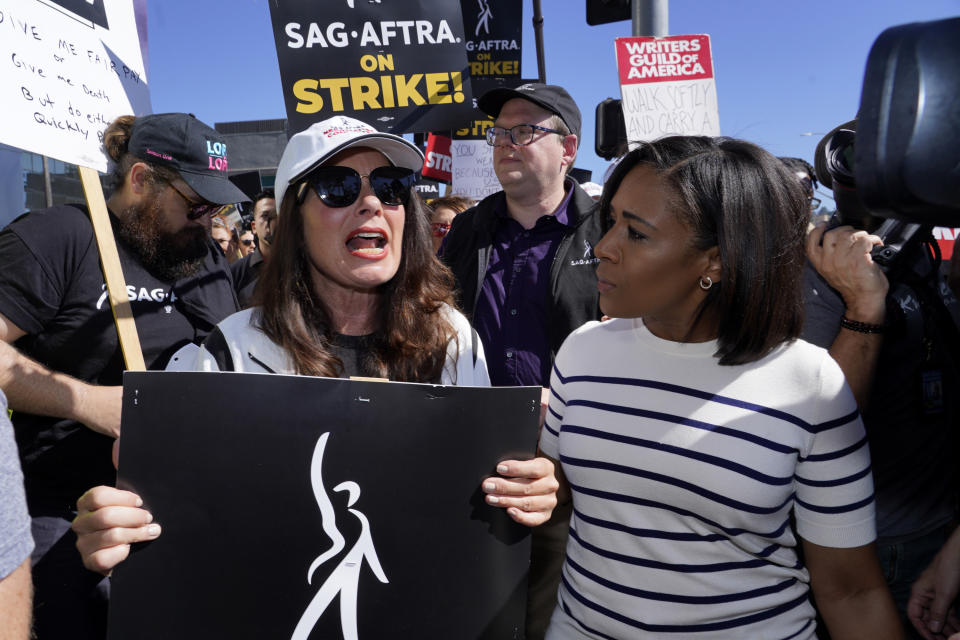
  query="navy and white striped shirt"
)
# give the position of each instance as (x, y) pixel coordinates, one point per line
(684, 476)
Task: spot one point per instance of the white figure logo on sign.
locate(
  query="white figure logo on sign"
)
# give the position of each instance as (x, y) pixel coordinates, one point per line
(483, 18)
(345, 578)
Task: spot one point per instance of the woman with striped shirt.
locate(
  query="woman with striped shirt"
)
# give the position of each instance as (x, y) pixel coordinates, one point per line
(702, 443)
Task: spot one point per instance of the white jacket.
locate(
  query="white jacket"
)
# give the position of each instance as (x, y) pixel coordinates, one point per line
(253, 352)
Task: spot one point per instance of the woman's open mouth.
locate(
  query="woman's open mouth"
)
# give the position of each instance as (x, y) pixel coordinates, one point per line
(365, 243)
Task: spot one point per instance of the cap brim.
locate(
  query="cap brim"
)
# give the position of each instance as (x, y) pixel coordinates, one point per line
(398, 151)
(215, 189)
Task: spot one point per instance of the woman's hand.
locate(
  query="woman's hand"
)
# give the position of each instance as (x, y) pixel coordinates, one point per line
(934, 594)
(108, 521)
(527, 489)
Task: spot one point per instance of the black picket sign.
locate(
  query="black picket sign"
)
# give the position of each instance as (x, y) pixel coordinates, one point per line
(296, 507)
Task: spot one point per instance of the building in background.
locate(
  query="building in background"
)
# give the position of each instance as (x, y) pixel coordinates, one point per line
(255, 146)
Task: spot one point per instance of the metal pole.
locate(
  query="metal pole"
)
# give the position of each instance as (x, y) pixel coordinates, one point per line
(538, 36)
(47, 187)
(650, 18)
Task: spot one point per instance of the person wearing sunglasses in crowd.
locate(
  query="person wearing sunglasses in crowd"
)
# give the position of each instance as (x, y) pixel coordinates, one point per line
(704, 444)
(63, 372)
(352, 288)
(247, 243)
(442, 212)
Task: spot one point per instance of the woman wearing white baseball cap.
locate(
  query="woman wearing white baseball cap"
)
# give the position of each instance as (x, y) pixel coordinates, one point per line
(352, 289)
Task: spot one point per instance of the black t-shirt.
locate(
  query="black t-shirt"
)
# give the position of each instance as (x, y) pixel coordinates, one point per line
(52, 287)
(246, 272)
(351, 350)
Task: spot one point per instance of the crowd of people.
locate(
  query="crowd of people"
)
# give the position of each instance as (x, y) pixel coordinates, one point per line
(747, 425)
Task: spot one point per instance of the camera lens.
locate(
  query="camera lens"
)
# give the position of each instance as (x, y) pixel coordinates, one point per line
(840, 157)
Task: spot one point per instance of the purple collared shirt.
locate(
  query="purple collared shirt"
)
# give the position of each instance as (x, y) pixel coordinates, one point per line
(511, 312)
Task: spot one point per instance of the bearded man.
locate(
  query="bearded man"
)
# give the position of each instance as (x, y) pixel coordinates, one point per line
(60, 359)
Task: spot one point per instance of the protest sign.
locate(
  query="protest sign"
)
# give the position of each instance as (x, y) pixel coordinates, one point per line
(667, 87)
(427, 189)
(494, 34)
(400, 67)
(946, 237)
(72, 67)
(313, 488)
(437, 163)
(473, 174)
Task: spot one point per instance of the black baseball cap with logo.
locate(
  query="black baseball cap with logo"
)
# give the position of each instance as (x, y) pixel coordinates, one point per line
(551, 97)
(197, 152)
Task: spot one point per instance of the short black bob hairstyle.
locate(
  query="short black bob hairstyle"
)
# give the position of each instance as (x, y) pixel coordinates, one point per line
(734, 195)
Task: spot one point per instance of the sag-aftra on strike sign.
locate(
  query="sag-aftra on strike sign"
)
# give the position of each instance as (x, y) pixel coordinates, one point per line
(399, 66)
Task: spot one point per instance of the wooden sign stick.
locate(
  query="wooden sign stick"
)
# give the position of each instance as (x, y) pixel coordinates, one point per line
(110, 260)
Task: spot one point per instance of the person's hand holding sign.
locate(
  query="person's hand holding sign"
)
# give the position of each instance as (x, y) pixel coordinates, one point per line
(527, 489)
(108, 521)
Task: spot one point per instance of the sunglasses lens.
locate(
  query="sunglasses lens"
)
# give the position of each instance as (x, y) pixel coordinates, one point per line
(392, 184)
(340, 186)
(336, 186)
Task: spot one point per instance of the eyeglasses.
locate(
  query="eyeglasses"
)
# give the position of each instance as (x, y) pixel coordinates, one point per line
(520, 135)
(340, 186)
(440, 229)
(196, 210)
(814, 203)
(246, 242)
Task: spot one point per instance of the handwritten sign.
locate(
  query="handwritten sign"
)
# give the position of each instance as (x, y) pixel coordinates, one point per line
(67, 75)
(473, 174)
(667, 87)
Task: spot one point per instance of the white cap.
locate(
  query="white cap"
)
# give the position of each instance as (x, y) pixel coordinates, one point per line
(315, 145)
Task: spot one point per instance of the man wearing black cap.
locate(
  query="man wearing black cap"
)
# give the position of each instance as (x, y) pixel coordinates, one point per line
(62, 372)
(525, 270)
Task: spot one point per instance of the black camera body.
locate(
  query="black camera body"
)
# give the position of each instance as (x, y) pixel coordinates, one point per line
(908, 131)
(900, 159)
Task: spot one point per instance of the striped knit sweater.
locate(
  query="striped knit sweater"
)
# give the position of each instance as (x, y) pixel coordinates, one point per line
(685, 475)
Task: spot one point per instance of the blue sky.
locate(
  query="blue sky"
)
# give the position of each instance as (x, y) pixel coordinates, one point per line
(782, 68)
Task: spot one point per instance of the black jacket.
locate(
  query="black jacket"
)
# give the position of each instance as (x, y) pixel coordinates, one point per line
(573, 279)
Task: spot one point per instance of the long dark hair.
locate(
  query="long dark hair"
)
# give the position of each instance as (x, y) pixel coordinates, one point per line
(410, 343)
(735, 196)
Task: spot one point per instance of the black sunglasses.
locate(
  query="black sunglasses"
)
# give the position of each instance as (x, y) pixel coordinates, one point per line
(340, 186)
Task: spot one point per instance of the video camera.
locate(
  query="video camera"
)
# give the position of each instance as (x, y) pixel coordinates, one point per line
(900, 159)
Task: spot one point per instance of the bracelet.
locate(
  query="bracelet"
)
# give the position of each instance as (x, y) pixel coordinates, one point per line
(860, 327)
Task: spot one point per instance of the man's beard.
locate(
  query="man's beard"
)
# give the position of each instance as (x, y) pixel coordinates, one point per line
(167, 255)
